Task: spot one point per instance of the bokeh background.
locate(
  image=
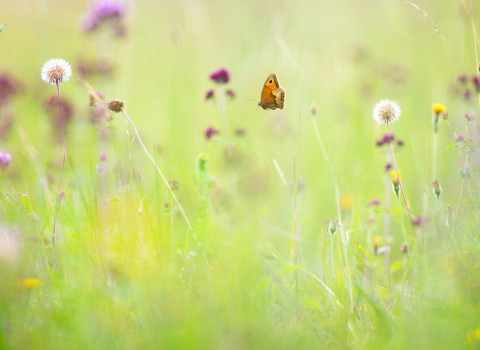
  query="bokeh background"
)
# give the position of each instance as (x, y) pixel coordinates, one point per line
(120, 275)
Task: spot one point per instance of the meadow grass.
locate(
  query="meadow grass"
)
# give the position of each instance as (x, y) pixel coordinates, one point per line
(283, 231)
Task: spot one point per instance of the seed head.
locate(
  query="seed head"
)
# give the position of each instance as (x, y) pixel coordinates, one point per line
(56, 71)
(116, 105)
(386, 111)
(404, 247)
(313, 110)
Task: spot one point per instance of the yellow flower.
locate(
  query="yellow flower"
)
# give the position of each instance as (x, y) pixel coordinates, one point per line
(346, 202)
(31, 283)
(439, 108)
(395, 178)
(473, 336)
(375, 241)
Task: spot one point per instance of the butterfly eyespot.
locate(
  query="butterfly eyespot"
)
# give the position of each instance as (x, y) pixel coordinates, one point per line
(270, 81)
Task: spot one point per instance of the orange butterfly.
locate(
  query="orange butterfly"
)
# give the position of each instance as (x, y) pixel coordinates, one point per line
(273, 95)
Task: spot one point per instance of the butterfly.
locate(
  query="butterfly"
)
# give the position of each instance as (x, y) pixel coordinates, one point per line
(273, 95)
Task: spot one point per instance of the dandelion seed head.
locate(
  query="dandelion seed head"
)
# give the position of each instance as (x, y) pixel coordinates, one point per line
(386, 111)
(56, 71)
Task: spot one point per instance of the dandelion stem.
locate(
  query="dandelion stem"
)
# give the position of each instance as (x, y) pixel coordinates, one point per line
(398, 175)
(63, 162)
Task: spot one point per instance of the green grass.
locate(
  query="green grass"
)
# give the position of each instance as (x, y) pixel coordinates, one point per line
(126, 272)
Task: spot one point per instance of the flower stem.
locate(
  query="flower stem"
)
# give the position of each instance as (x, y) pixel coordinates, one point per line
(166, 183)
(398, 175)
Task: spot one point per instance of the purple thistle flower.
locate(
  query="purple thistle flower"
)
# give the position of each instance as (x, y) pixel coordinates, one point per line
(387, 138)
(210, 94)
(230, 93)
(221, 76)
(469, 118)
(379, 143)
(53, 110)
(419, 220)
(459, 138)
(400, 143)
(102, 10)
(476, 82)
(467, 95)
(210, 132)
(8, 88)
(462, 78)
(373, 202)
(107, 8)
(5, 159)
(388, 167)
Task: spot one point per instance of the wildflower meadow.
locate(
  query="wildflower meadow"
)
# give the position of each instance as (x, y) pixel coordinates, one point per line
(199, 174)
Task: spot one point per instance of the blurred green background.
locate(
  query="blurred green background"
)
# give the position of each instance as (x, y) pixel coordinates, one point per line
(123, 275)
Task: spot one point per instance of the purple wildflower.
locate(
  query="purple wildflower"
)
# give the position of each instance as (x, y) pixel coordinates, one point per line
(221, 76)
(230, 93)
(476, 82)
(387, 138)
(210, 132)
(419, 220)
(467, 95)
(400, 143)
(445, 115)
(388, 167)
(102, 11)
(459, 138)
(373, 202)
(462, 78)
(379, 142)
(51, 106)
(5, 159)
(210, 94)
(8, 87)
(173, 184)
(469, 118)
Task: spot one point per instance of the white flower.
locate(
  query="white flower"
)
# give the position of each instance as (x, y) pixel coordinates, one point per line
(56, 71)
(386, 111)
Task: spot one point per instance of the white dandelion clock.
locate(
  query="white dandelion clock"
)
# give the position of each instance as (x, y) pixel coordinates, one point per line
(386, 112)
(56, 71)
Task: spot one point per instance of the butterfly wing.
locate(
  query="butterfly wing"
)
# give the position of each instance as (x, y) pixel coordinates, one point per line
(273, 95)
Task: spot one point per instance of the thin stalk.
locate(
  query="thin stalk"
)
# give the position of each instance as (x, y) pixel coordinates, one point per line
(332, 260)
(166, 184)
(63, 164)
(435, 143)
(223, 111)
(296, 166)
(339, 213)
(398, 175)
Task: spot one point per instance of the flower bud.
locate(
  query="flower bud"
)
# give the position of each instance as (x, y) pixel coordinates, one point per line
(332, 227)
